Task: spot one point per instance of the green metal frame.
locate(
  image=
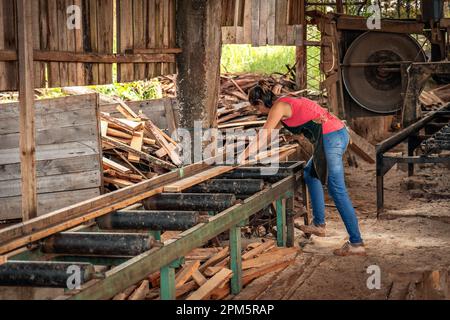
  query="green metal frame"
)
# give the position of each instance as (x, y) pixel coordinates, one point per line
(136, 269)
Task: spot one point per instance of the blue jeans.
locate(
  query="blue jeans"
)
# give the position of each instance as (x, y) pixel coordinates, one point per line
(335, 145)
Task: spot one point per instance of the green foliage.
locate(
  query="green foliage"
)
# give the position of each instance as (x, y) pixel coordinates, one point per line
(262, 60)
(139, 90)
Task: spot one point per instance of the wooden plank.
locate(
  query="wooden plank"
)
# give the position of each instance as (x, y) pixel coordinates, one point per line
(263, 19)
(140, 292)
(52, 152)
(271, 22)
(26, 97)
(105, 37)
(216, 258)
(125, 38)
(139, 10)
(52, 167)
(362, 147)
(49, 184)
(199, 178)
(268, 258)
(199, 278)
(281, 22)
(70, 35)
(55, 136)
(39, 68)
(186, 273)
(10, 208)
(150, 36)
(79, 33)
(9, 74)
(255, 22)
(62, 40)
(94, 77)
(251, 274)
(160, 139)
(205, 290)
(114, 165)
(259, 249)
(136, 143)
(48, 121)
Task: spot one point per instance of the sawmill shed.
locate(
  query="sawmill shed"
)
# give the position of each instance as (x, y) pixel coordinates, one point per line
(98, 182)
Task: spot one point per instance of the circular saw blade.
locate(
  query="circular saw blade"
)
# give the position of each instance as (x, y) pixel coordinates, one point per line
(378, 88)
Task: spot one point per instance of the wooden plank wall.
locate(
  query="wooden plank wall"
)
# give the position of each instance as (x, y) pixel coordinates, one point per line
(264, 22)
(68, 154)
(142, 25)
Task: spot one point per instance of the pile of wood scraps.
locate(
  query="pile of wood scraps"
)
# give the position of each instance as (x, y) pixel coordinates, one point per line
(134, 149)
(206, 273)
(437, 97)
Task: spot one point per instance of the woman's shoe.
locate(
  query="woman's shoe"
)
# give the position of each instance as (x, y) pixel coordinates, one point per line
(349, 249)
(319, 231)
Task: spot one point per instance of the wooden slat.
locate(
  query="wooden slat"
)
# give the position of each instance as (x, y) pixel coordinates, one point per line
(39, 67)
(186, 273)
(27, 125)
(125, 38)
(137, 143)
(255, 22)
(10, 208)
(105, 37)
(281, 22)
(271, 22)
(263, 19)
(71, 46)
(52, 167)
(114, 165)
(196, 179)
(205, 290)
(199, 278)
(58, 183)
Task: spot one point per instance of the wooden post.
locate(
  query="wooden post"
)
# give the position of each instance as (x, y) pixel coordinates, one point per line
(236, 259)
(26, 97)
(290, 228)
(281, 222)
(199, 34)
(301, 52)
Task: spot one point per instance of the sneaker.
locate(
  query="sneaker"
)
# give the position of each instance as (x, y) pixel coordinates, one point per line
(319, 231)
(349, 249)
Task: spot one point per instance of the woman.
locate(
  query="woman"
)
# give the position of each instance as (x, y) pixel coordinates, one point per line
(330, 138)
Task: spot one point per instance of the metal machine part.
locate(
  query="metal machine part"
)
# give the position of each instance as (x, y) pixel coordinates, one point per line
(372, 69)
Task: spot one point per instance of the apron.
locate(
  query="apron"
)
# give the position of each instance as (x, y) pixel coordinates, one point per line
(314, 133)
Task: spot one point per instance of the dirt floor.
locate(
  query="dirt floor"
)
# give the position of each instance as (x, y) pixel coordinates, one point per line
(415, 239)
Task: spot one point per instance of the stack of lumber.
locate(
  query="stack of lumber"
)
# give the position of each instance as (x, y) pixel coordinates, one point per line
(436, 97)
(206, 273)
(134, 149)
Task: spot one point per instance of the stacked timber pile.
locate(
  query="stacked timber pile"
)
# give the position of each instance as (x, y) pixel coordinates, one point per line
(206, 273)
(134, 149)
(435, 98)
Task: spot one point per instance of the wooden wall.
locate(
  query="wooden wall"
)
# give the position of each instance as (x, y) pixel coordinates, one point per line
(265, 22)
(85, 56)
(145, 24)
(68, 154)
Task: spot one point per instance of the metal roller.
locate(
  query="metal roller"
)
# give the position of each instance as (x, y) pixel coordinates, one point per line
(236, 186)
(43, 274)
(101, 244)
(190, 202)
(150, 220)
(375, 87)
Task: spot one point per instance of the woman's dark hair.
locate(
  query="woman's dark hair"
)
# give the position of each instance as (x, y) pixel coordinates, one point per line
(261, 92)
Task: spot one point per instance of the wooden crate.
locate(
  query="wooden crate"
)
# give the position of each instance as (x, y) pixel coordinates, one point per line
(68, 154)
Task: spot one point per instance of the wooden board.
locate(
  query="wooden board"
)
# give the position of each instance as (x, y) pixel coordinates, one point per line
(198, 178)
(205, 290)
(186, 273)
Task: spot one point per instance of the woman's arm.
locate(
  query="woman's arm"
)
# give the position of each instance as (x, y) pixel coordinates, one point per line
(276, 114)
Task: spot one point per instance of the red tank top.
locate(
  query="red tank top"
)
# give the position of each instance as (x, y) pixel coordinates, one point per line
(305, 110)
